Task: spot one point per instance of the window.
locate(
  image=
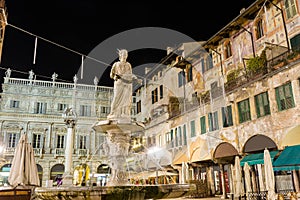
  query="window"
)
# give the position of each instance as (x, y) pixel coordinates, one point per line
(104, 110)
(154, 95)
(60, 141)
(14, 104)
(36, 140)
(213, 121)
(244, 111)
(138, 106)
(227, 116)
(259, 29)
(209, 62)
(262, 104)
(176, 137)
(228, 52)
(161, 91)
(203, 124)
(190, 73)
(172, 137)
(181, 78)
(168, 137)
(61, 106)
(40, 108)
(290, 8)
(160, 140)
(284, 97)
(82, 142)
(179, 136)
(12, 140)
(184, 135)
(85, 110)
(193, 128)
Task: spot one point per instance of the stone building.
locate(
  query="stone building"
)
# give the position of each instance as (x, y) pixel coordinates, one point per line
(206, 103)
(233, 95)
(36, 107)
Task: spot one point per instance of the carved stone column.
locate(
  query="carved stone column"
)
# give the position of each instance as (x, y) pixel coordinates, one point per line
(70, 119)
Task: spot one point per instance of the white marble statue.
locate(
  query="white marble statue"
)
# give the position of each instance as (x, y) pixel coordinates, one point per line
(54, 76)
(8, 73)
(121, 72)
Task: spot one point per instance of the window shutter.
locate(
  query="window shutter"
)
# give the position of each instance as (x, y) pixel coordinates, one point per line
(44, 108)
(35, 106)
(278, 99)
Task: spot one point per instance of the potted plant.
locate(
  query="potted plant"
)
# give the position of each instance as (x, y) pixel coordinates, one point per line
(257, 65)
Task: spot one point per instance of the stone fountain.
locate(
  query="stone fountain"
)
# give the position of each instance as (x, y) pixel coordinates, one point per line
(118, 128)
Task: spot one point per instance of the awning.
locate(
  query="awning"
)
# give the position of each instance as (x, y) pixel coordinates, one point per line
(257, 158)
(181, 157)
(289, 159)
(225, 149)
(199, 150)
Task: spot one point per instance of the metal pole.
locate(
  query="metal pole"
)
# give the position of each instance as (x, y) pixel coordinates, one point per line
(284, 25)
(252, 42)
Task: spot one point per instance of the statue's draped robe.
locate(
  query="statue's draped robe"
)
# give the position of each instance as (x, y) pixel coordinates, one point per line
(121, 103)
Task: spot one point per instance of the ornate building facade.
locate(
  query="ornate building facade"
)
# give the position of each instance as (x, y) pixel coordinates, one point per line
(36, 107)
(235, 94)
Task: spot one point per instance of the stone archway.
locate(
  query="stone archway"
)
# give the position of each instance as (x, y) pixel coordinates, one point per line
(57, 170)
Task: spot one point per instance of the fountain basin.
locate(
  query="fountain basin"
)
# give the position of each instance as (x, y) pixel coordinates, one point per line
(126, 192)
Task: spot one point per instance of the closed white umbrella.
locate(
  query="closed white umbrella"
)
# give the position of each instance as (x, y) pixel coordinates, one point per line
(23, 167)
(237, 177)
(269, 175)
(247, 178)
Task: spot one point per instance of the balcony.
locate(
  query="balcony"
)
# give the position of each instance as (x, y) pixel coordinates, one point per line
(38, 152)
(271, 67)
(82, 152)
(59, 152)
(9, 151)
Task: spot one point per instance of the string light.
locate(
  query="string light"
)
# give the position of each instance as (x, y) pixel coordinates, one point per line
(56, 44)
(34, 53)
(53, 43)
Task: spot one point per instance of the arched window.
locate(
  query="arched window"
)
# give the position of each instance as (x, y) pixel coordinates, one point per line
(227, 50)
(57, 170)
(259, 29)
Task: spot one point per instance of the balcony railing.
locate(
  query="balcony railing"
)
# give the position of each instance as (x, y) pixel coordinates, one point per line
(82, 152)
(9, 151)
(59, 152)
(38, 151)
(271, 66)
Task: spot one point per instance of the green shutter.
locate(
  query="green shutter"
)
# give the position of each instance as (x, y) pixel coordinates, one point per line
(203, 125)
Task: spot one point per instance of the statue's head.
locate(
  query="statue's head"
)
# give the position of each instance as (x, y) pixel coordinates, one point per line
(123, 53)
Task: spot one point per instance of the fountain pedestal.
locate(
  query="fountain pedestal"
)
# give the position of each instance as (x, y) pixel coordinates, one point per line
(118, 140)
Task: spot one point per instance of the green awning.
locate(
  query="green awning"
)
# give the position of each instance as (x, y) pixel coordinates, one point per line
(289, 159)
(257, 158)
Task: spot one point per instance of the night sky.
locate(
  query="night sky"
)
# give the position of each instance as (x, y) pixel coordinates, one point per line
(81, 25)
